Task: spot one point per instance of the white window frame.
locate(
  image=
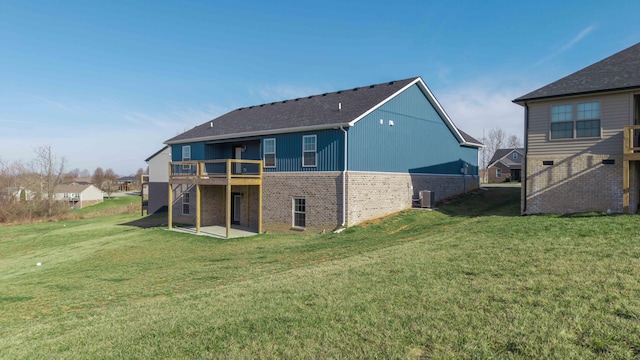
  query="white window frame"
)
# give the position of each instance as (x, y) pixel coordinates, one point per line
(580, 118)
(314, 151)
(186, 195)
(515, 156)
(265, 153)
(295, 211)
(186, 156)
(498, 173)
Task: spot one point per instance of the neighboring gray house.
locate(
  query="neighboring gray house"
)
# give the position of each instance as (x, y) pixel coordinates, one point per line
(581, 139)
(505, 165)
(155, 188)
(78, 196)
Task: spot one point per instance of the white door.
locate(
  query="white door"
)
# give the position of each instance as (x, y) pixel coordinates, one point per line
(236, 209)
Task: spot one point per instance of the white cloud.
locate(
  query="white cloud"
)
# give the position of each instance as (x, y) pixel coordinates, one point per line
(568, 45)
(479, 107)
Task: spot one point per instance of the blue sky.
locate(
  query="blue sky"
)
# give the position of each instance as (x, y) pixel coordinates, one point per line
(105, 83)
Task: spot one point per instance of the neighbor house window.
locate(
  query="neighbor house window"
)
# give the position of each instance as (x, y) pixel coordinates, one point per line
(588, 119)
(498, 172)
(186, 201)
(515, 156)
(186, 156)
(299, 212)
(309, 150)
(269, 152)
(581, 121)
(562, 121)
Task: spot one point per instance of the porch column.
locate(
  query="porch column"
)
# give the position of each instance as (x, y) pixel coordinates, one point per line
(625, 186)
(170, 207)
(260, 208)
(228, 205)
(198, 207)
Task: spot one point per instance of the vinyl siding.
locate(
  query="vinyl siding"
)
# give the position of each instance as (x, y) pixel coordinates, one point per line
(197, 151)
(329, 150)
(615, 113)
(418, 142)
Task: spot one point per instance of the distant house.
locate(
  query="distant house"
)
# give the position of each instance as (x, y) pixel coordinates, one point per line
(78, 196)
(14, 193)
(157, 184)
(582, 132)
(126, 183)
(505, 165)
(320, 162)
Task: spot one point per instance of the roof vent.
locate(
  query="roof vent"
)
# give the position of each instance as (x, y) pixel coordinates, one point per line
(355, 89)
(262, 105)
(284, 101)
(372, 86)
(310, 97)
(391, 82)
(211, 124)
(273, 103)
(339, 92)
(296, 99)
(325, 94)
(240, 109)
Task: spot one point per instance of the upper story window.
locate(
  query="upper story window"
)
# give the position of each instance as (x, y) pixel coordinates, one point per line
(515, 156)
(562, 121)
(309, 148)
(269, 152)
(585, 123)
(186, 156)
(588, 119)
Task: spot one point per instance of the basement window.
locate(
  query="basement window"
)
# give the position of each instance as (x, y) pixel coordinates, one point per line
(299, 212)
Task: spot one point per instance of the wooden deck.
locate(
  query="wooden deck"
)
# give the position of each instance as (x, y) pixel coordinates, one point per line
(224, 172)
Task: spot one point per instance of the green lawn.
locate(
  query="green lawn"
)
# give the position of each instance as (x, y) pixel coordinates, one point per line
(473, 280)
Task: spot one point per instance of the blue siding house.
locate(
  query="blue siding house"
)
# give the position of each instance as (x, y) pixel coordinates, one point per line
(320, 162)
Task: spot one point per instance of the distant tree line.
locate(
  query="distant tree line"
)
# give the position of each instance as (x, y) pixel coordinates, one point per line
(27, 189)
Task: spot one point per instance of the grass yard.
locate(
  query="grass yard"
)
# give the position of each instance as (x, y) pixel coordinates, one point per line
(472, 280)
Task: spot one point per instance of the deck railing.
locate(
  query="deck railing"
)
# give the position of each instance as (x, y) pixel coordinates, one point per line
(631, 139)
(206, 169)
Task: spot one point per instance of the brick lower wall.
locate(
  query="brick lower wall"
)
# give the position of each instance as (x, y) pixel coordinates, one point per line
(369, 195)
(372, 195)
(323, 197)
(573, 184)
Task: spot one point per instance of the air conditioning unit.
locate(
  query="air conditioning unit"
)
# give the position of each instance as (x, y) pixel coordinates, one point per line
(427, 199)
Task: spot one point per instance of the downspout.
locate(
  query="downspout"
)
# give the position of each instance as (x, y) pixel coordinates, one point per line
(344, 180)
(523, 175)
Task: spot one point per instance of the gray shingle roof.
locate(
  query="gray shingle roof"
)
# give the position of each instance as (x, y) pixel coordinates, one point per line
(500, 153)
(316, 110)
(313, 112)
(617, 72)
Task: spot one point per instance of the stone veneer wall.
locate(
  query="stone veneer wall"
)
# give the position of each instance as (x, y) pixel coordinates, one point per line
(575, 184)
(369, 196)
(372, 195)
(323, 198)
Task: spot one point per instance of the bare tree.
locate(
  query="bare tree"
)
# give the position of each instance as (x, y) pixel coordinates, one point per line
(51, 168)
(98, 177)
(109, 184)
(513, 142)
(85, 173)
(493, 141)
(138, 178)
